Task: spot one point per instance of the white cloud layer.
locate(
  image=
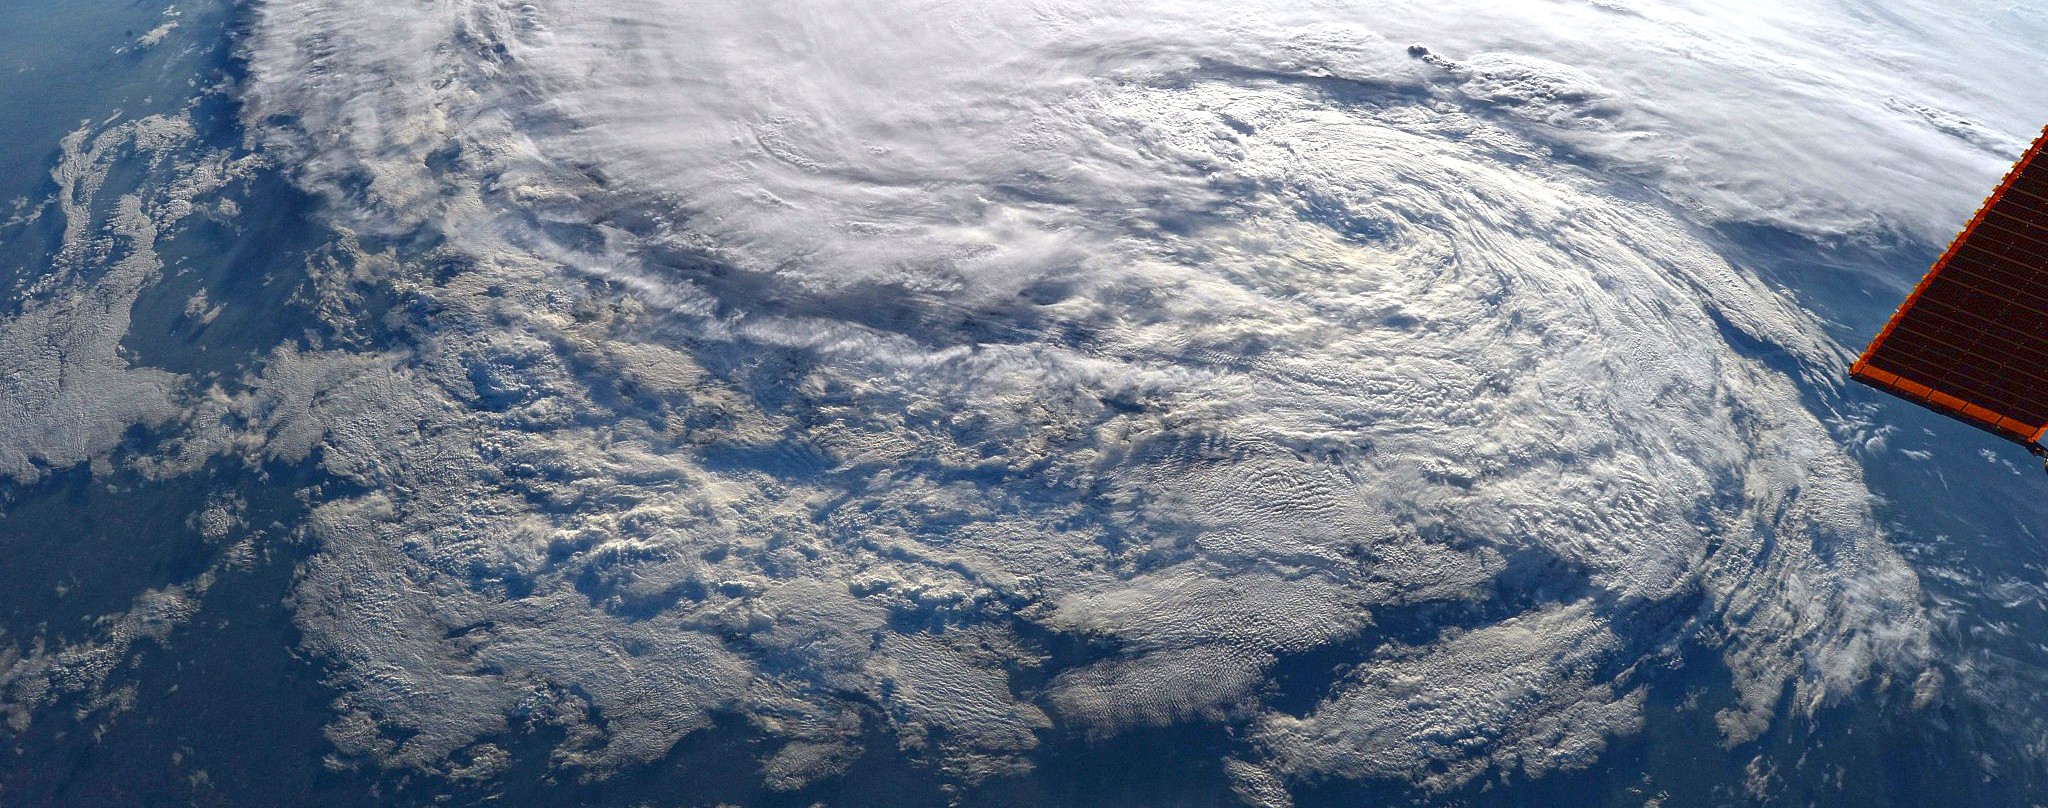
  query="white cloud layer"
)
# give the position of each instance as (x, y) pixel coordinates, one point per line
(782, 359)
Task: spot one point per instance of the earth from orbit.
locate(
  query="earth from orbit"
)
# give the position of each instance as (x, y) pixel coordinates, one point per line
(1027, 402)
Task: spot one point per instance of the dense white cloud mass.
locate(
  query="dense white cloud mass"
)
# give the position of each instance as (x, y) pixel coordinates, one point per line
(67, 394)
(789, 359)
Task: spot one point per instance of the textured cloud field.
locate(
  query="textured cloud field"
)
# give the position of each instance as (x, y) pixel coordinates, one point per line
(811, 362)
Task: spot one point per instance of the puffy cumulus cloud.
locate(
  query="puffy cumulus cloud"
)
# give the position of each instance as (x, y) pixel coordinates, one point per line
(68, 394)
(1529, 692)
(804, 362)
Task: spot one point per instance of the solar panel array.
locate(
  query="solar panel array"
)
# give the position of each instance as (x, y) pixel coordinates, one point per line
(1972, 340)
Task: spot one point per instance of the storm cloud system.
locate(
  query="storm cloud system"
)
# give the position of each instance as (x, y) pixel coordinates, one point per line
(1381, 388)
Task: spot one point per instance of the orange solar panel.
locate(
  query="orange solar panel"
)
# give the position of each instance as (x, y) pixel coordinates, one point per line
(1972, 340)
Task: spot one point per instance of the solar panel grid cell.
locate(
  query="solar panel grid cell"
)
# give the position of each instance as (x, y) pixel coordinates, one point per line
(1988, 273)
(1972, 339)
(2024, 206)
(1979, 319)
(2034, 185)
(2001, 371)
(2002, 400)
